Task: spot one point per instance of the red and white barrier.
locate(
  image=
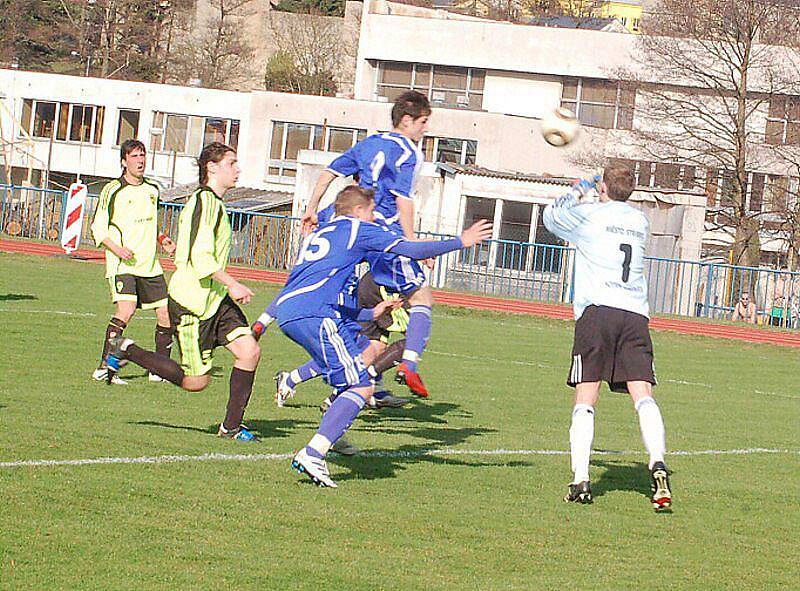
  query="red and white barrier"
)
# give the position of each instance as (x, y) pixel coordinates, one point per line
(73, 218)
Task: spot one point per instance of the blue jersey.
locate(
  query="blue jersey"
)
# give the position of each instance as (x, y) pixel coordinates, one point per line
(325, 265)
(387, 163)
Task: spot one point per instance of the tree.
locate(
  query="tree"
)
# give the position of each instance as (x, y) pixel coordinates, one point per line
(713, 82)
(325, 7)
(35, 33)
(214, 48)
(308, 56)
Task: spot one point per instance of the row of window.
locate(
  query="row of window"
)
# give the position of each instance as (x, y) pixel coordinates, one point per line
(764, 192)
(445, 86)
(183, 134)
(606, 104)
(187, 134)
(289, 138)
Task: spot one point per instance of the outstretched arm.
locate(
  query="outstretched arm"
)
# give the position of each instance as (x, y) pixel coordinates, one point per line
(478, 232)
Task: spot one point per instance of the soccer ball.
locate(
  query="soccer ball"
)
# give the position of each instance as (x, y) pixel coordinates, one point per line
(560, 127)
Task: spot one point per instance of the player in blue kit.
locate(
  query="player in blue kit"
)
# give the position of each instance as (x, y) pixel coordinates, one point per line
(388, 163)
(309, 312)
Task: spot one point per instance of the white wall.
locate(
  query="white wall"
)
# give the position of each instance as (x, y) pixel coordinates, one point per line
(516, 93)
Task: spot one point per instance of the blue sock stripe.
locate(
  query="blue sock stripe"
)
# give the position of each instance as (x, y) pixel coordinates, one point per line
(420, 309)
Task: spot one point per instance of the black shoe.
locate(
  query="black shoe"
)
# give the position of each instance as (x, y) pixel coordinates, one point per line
(579, 493)
(659, 486)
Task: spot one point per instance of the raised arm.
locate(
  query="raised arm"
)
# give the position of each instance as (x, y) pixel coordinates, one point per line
(308, 221)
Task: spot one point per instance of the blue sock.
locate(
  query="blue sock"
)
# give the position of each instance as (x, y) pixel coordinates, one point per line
(335, 422)
(417, 335)
(305, 372)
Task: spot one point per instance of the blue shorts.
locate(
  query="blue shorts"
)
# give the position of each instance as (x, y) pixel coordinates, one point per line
(396, 273)
(332, 343)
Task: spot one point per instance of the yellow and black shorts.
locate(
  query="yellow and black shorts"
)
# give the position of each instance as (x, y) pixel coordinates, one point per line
(197, 338)
(147, 292)
(370, 294)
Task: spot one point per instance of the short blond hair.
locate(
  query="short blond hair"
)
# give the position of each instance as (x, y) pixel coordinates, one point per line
(351, 197)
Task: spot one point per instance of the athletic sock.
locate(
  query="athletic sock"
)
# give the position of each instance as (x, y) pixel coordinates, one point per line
(652, 426)
(417, 335)
(309, 370)
(581, 434)
(163, 340)
(155, 363)
(241, 388)
(115, 328)
(336, 420)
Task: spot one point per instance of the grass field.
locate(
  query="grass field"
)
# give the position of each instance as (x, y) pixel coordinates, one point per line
(434, 503)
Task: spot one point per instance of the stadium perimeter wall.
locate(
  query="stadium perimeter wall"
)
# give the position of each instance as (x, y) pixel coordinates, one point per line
(748, 333)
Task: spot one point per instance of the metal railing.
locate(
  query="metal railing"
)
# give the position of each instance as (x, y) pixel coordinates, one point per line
(541, 272)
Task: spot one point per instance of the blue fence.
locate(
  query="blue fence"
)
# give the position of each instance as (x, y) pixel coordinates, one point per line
(541, 272)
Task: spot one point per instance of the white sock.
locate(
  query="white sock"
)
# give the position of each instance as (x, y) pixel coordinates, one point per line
(581, 434)
(652, 426)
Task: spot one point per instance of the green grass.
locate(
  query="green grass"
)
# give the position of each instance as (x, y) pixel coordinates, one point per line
(402, 521)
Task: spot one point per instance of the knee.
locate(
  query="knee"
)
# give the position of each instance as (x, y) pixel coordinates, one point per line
(422, 297)
(251, 353)
(162, 316)
(195, 383)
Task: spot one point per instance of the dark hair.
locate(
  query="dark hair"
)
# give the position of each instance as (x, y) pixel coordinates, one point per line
(352, 196)
(129, 146)
(213, 152)
(410, 103)
(619, 181)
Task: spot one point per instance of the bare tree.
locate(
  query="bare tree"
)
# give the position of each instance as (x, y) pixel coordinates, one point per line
(309, 52)
(703, 84)
(214, 47)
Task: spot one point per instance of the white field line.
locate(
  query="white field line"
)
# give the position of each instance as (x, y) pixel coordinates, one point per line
(215, 457)
(56, 312)
(491, 359)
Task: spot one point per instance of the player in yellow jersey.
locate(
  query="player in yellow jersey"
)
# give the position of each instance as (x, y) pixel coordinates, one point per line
(126, 225)
(203, 298)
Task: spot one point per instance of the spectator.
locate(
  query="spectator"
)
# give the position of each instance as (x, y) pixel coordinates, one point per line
(744, 310)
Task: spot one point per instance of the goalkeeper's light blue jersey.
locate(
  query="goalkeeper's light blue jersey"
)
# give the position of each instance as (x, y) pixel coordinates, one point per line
(610, 240)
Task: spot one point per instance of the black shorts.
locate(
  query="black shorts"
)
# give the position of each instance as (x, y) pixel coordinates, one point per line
(147, 292)
(197, 338)
(370, 294)
(613, 346)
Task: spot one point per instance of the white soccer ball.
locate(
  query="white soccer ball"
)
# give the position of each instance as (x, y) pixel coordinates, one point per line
(560, 127)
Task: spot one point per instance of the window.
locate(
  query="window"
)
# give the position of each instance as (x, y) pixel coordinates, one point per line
(776, 193)
(661, 175)
(515, 225)
(224, 131)
(446, 149)
(445, 86)
(63, 121)
(45, 114)
(289, 138)
(783, 121)
(187, 134)
(128, 126)
(599, 103)
(477, 208)
(513, 250)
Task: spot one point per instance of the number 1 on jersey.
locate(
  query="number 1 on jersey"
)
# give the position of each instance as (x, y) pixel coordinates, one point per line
(627, 250)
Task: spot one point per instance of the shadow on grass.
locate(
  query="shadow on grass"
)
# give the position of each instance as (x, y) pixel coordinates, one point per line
(621, 475)
(264, 429)
(427, 422)
(16, 297)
